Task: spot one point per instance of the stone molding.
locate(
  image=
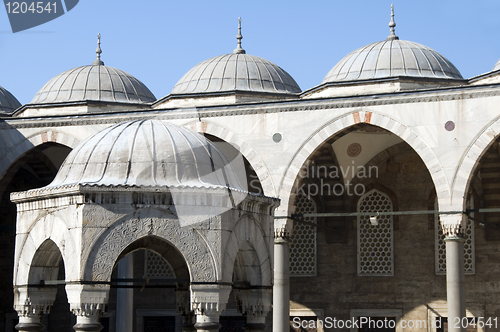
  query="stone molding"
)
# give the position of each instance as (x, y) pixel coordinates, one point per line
(209, 300)
(426, 96)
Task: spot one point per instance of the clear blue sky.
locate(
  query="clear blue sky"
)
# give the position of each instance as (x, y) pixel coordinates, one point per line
(158, 41)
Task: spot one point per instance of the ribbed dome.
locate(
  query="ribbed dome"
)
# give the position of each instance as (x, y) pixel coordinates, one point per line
(392, 58)
(8, 103)
(497, 66)
(147, 153)
(96, 83)
(236, 72)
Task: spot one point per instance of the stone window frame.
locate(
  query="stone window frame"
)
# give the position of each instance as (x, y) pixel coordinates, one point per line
(141, 313)
(357, 313)
(470, 234)
(434, 312)
(315, 242)
(358, 249)
(306, 312)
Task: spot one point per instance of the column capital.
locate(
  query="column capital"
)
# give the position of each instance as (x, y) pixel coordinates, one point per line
(453, 225)
(209, 300)
(253, 303)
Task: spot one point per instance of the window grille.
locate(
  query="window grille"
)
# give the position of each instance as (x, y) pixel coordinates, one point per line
(375, 242)
(303, 245)
(156, 266)
(469, 245)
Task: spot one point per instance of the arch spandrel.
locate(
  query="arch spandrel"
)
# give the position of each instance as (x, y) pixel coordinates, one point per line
(40, 232)
(334, 126)
(245, 148)
(106, 249)
(248, 234)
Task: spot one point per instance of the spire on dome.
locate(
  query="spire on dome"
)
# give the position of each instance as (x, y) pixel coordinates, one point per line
(392, 25)
(238, 49)
(98, 62)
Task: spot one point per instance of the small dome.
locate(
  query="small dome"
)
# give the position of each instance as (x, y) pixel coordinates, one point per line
(96, 83)
(147, 153)
(8, 103)
(236, 72)
(497, 66)
(392, 58)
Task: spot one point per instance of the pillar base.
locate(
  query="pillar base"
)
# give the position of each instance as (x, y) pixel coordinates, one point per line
(207, 326)
(29, 327)
(255, 327)
(88, 327)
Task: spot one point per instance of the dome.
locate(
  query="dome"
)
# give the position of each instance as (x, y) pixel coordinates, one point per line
(236, 72)
(8, 103)
(147, 153)
(95, 82)
(497, 66)
(392, 58)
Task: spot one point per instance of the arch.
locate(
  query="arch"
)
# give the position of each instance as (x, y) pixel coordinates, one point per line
(163, 248)
(45, 263)
(467, 165)
(31, 241)
(102, 254)
(246, 150)
(329, 129)
(30, 142)
(248, 239)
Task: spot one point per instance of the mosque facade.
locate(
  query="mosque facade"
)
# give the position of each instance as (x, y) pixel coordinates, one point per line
(239, 201)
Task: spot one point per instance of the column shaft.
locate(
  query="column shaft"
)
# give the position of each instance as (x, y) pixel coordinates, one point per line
(125, 296)
(455, 283)
(281, 288)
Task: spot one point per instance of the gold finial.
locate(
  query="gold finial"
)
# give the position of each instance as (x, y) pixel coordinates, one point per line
(98, 62)
(238, 49)
(392, 25)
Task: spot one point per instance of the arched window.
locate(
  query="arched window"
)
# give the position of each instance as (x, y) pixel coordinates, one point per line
(469, 245)
(303, 246)
(375, 242)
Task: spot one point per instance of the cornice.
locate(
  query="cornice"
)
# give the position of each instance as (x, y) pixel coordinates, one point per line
(349, 102)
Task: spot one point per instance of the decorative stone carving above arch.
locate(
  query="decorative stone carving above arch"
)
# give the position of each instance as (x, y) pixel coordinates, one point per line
(107, 246)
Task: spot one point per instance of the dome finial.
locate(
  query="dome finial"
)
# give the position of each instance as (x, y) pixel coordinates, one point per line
(238, 49)
(98, 62)
(392, 25)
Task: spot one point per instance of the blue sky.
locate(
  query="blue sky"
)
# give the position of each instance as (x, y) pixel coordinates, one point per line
(158, 41)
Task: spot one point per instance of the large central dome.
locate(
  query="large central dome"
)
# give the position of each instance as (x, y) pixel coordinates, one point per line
(147, 153)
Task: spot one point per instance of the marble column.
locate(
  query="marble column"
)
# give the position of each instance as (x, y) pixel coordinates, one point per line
(208, 302)
(254, 305)
(453, 226)
(31, 305)
(87, 302)
(281, 288)
(125, 296)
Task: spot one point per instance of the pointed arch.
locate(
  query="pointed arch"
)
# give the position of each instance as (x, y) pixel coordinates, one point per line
(334, 126)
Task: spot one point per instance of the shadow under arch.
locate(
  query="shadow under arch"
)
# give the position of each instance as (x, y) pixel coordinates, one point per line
(163, 248)
(26, 144)
(329, 130)
(470, 160)
(45, 263)
(253, 158)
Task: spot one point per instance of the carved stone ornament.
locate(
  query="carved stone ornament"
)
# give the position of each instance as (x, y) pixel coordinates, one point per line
(453, 224)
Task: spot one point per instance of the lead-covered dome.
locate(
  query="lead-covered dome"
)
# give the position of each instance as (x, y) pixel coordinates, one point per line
(236, 72)
(392, 58)
(147, 153)
(95, 82)
(8, 103)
